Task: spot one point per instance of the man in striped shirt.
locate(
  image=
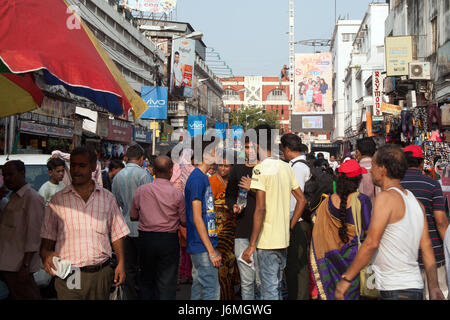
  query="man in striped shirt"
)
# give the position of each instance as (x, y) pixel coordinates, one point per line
(79, 222)
(124, 186)
(429, 193)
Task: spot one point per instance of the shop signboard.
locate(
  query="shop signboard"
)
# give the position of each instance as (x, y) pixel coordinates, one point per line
(399, 53)
(312, 122)
(45, 130)
(156, 100)
(119, 130)
(313, 92)
(182, 74)
(143, 136)
(377, 91)
(164, 137)
(391, 108)
(196, 125)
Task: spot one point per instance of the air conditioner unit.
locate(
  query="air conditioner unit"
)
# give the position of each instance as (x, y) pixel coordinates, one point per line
(419, 70)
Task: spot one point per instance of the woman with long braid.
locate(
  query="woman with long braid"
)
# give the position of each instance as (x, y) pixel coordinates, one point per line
(334, 242)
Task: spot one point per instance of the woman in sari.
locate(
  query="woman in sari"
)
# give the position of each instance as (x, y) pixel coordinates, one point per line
(334, 243)
(226, 225)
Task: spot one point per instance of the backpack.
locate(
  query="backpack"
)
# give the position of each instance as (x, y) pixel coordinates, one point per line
(319, 185)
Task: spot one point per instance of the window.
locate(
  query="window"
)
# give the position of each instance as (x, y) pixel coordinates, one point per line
(110, 21)
(277, 94)
(230, 94)
(101, 14)
(434, 39)
(348, 37)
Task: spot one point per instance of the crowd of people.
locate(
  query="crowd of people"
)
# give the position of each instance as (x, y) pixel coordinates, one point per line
(277, 226)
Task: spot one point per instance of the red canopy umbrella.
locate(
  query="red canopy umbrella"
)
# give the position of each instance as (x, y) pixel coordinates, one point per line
(35, 35)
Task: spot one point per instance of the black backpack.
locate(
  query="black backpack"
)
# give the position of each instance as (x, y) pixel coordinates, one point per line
(319, 185)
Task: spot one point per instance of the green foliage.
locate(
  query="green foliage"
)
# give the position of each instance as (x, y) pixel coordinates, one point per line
(249, 117)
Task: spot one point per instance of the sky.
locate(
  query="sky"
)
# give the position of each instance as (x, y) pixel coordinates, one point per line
(251, 35)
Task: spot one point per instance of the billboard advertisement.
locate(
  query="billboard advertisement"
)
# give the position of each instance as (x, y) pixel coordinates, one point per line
(221, 130)
(312, 122)
(182, 74)
(196, 125)
(313, 79)
(399, 53)
(156, 100)
(151, 6)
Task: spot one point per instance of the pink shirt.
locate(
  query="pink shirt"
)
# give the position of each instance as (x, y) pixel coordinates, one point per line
(82, 229)
(20, 225)
(367, 187)
(159, 206)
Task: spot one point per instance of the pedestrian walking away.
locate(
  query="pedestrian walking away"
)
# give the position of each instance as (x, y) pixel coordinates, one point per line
(160, 209)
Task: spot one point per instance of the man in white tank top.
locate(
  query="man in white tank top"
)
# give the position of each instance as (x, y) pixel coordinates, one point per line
(397, 230)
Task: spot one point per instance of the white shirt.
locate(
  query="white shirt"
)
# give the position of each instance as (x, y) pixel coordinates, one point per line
(302, 173)
(48, 189)
(178, 74)
(334, 165)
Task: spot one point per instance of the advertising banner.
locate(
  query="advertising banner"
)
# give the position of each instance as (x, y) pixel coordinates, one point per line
(238, 131)
(45, 130)
(221, 130)
(399, 53)
(150, 6)
(156, 100)
(196, 125)
(142, 136)
(119, 130)
(182, 74)
(377, 92)
(390, 108)
(313, 78)
(312, 122)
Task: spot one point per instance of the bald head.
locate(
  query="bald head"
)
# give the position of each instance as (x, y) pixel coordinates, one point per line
(163, 167)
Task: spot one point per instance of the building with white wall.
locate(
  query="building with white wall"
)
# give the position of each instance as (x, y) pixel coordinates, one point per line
(344, 34)
(366, 57)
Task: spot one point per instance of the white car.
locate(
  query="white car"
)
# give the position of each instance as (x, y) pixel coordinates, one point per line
(36, 174)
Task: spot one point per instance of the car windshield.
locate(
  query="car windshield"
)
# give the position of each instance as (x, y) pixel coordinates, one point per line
(36, 175)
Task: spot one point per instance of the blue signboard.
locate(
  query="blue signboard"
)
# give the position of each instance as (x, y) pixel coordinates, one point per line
(196, 125)
(238, 131)
(142, 136)
(156, 100)
(221, 130)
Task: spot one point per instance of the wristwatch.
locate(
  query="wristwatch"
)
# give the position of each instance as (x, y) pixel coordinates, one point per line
(344, 277)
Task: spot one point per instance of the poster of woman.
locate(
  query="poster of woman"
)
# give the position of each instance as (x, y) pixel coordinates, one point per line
(313, 94)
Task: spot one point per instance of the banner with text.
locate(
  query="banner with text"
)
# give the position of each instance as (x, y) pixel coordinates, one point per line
(221, 130)
(313, 77)
(150, 6)
(156, 100)
(377, 92)
(196, 125)
(182, 74)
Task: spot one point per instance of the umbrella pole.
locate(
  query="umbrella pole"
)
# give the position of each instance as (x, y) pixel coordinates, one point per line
(11, 134)
(5, 145)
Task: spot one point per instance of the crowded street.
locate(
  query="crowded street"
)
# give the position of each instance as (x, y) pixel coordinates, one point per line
(243, 152)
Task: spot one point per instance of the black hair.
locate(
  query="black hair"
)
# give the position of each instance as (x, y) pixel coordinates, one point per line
(393, 159)
(176, 52)
(412, 161)
(320, 155)
(292, 141)
(344, 187)
(85, 151)
(310, 156)
(53, 163)
(366, 146)
(135, 152)
(20, 166)
(304, 148)
(151, 161)
(115, 164)
(268, 129)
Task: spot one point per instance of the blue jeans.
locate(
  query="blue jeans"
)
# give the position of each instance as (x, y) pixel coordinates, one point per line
(205, 278)
(249, 277)
(271, 266)
(407, 294)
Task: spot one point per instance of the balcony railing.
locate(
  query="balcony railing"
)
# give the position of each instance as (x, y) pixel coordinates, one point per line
(172, 107)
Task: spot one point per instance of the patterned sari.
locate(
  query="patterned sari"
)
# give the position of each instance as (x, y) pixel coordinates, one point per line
(329, 256)
(226, 226)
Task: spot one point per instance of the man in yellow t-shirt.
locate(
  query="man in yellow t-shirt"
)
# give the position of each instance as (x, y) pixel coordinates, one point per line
(274, 182)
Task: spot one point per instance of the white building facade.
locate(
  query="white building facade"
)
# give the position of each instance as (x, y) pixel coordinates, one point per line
(366, 57)
(344, 34)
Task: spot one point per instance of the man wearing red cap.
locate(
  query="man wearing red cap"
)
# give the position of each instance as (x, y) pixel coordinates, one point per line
(429, 193)
(397, 230)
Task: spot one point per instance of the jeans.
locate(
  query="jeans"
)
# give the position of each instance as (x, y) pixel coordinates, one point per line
(408, 294)
(271, 266)
(159, 254)
(297, 272)
(205, 278)
(249, 277)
